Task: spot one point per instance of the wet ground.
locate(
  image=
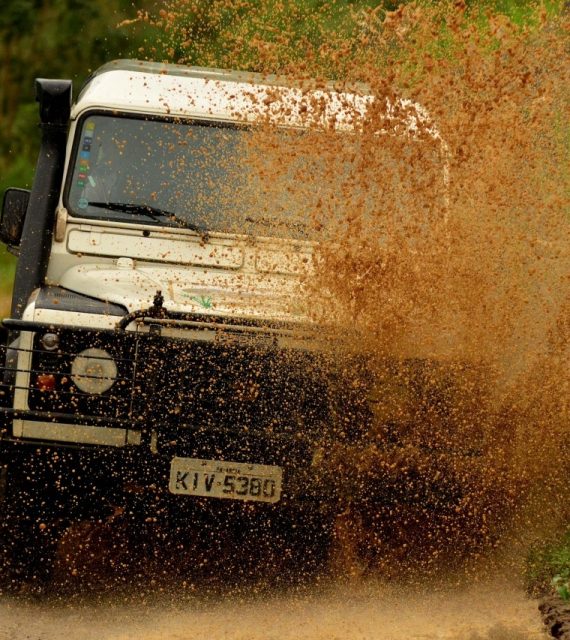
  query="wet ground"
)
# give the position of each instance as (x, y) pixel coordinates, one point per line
(489, 611)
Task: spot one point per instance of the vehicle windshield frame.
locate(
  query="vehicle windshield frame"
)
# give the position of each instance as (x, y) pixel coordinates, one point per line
(274, 230)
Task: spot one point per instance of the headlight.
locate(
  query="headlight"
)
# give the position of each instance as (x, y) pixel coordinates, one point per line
(50, 341)
(94, 371)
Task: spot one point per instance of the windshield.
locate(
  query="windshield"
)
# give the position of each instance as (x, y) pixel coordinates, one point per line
(221, 178)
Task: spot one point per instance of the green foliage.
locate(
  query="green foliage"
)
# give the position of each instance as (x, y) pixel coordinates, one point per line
(18, 173)
(561, 585)
(248, 35)
(7, 271)
(548, 567)
(35, 38)
(521, 12)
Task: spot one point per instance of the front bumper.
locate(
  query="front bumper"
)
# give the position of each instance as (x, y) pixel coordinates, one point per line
(208, 397)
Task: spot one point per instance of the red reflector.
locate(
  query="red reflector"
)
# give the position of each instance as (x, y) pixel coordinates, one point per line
(45, 382)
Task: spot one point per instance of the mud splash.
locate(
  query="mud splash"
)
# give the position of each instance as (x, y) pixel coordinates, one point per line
(488, 288)
(449, 262)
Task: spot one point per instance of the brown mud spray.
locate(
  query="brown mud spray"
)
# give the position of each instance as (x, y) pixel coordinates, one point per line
(447, 257)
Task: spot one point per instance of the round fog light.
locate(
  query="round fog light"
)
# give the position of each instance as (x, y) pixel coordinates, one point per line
(94, 371)
(50, 341)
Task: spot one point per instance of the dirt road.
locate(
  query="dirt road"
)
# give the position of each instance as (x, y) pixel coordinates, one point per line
(492, 611)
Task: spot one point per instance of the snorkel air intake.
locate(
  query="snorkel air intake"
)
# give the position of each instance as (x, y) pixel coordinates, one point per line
(54, 97)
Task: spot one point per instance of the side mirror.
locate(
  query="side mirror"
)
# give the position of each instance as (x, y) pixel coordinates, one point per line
(14, 207)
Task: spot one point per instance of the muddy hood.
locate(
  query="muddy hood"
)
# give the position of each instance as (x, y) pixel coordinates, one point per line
(245, 295)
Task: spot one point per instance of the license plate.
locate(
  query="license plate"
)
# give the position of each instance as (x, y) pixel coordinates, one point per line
(223, 479)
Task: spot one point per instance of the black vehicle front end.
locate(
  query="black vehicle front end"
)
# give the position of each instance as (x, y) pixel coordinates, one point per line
(182, 421)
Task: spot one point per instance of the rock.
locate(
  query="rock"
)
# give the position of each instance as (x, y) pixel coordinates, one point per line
(556, 616)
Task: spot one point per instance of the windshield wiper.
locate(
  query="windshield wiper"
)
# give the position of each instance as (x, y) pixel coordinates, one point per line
(153, 213)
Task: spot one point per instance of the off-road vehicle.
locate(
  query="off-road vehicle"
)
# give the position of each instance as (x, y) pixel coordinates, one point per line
(161, 360)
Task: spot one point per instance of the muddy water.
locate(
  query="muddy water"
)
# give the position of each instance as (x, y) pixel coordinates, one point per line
(449, 245)
(493, 611)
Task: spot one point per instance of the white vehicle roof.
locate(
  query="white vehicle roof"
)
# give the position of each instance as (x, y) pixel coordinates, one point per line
(135, 86)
